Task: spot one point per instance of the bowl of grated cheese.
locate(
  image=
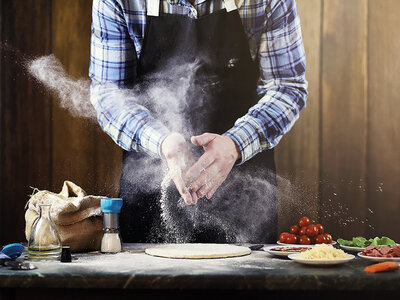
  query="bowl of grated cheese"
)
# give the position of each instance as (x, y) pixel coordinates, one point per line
(322, 254)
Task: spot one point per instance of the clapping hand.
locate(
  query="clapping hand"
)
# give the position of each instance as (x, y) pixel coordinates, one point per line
(214, 166)
(179, 157)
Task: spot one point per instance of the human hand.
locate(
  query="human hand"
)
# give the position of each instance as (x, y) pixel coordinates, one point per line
(179, 157)
(212, 168)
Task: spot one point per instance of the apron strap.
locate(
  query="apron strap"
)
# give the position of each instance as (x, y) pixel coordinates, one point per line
(230, 5)
(153, 8)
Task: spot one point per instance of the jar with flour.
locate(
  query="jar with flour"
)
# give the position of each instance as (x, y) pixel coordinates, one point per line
(111, 242)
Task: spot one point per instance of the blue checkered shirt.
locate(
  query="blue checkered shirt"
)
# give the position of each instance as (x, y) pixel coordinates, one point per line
(274, 35)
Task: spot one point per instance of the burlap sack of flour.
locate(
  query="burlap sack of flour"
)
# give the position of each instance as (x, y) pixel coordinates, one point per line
(77, 216)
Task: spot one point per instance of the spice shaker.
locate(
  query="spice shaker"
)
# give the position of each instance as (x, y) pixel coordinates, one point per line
(111, 242)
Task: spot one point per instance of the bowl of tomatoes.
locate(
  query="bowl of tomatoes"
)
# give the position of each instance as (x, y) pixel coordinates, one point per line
(305, 233)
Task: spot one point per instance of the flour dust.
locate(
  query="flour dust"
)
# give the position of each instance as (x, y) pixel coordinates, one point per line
(73, 95)
(243, 206)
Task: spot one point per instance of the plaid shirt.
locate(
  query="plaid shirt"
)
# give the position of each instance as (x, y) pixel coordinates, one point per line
(274, 35)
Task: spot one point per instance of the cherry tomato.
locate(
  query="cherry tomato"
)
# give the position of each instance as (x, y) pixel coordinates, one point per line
(304, 221)
(321, 229)
(312, 231)
(294, 229)
(305, 240)
(320, 239)
(313, 240)
(283, 236)
(291, 239)
(328, 238)
(303, 230)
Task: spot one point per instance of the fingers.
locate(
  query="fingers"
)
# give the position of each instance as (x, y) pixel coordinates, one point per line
(194, 197)
(178, 156)
(213, 167)
(204, 190)
(211, 192)
(182, 189)
(175, 170)
(188, 196)
(203, 163)
(210, 187)
(204, 181)
(203, 139)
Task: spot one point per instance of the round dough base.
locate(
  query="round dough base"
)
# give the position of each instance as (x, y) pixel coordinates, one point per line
(197, 251)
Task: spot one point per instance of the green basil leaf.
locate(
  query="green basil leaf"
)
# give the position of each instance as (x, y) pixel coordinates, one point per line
(345, 242)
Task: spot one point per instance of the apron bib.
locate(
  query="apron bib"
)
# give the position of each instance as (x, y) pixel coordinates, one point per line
(222, 88)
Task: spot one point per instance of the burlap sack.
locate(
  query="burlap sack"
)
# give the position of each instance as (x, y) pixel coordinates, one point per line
(78, 217)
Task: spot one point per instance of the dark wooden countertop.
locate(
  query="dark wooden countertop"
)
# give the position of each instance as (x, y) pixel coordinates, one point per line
(133, 269)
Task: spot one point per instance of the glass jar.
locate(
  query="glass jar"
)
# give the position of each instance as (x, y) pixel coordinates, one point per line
(44, 241)
(111, 242)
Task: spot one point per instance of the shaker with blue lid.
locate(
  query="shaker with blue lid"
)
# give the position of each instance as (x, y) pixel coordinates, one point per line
(111, 242)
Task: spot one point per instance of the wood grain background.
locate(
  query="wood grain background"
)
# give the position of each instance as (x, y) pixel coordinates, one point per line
(339, 164)
(344, 148)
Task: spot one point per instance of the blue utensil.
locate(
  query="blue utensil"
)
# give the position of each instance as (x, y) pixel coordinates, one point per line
(13, 250)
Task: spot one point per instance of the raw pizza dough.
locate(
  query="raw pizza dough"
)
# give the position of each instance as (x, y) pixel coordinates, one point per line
(198, 250)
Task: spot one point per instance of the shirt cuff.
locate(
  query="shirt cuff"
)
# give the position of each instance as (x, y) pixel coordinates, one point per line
(245, 135)
(151, 137)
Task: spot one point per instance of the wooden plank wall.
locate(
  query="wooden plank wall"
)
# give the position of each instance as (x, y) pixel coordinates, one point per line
(297, 155)
(82, 153)
(73, 138)
(43, 145)
(383, 165)
(26, 113)
(343, 114)
(356, 155)
(339, 164)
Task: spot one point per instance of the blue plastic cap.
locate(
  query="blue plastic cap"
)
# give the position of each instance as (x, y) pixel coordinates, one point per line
(13, 250)
(3, 256)
(111, 205)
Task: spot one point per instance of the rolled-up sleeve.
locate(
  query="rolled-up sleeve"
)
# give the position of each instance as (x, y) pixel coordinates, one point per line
(112, 70)
(282, 87)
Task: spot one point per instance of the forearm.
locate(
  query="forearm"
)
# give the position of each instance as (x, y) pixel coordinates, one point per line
(282, 87)
(112, 68)
(273, 116)
(129, 124)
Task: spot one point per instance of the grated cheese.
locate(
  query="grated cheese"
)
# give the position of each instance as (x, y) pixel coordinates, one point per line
(323, 251)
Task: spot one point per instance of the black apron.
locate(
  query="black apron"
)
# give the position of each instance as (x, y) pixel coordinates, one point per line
(225, 78)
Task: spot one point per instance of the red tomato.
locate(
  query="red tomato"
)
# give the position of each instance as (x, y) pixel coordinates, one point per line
(305, 240)
(283, 236)
(303, 230)
(291, 239)
(321, 229)
(312, 231)
(304, 221)
(294, 229)
(313, 240)
(328, 238)
(320, 239)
